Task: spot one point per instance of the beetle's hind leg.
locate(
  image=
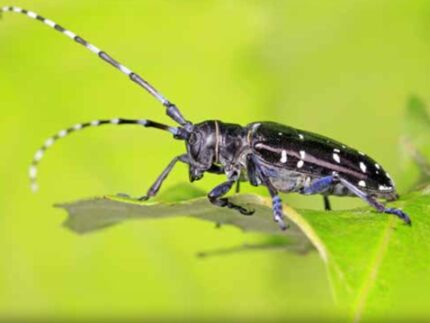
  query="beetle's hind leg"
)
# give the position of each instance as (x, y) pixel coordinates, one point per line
(319, 186)
(373, 202)
(215, 197)
(327, 205)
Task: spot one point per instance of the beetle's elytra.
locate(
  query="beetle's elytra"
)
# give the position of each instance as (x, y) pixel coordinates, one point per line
(279, 157)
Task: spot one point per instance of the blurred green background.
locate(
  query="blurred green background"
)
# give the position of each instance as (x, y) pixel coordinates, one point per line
(341, 68)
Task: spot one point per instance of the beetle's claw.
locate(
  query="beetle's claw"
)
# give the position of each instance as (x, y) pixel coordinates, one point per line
(244, 211)
(282, 225)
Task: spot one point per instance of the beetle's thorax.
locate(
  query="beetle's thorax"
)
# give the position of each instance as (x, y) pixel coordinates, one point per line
(215, 142)
(231, 143)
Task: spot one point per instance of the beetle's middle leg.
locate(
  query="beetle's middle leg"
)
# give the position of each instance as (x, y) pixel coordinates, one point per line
(215, 197)
(327, 205)
(256, 177)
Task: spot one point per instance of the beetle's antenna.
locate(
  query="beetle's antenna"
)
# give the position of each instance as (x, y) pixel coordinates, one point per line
(178, 133)
(171, 109)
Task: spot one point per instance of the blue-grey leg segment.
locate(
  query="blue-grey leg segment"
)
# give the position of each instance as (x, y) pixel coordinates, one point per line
(373, 202)
(278, 215)
(319, 185)
(215, 197)
(256, 174)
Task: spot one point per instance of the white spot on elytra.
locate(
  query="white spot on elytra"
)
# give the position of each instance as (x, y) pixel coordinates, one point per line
(336, 150)
(363, 167)
(300, 163)
(301, 136)
(283, 156)
(377, 166)
(343, 146)
(385, 188)
(62, 133)
(302, 154)
(362, 183)
(115, 121)
(17, 9)
(336, 158)
(95, 122)
(279, 133)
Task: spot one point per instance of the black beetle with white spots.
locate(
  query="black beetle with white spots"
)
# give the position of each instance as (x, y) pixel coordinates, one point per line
(281, 158)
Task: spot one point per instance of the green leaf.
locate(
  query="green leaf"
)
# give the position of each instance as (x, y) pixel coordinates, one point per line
(368, 255)
(98, 213)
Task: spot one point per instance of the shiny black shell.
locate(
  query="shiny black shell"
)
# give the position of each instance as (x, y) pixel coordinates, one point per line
(286, 148)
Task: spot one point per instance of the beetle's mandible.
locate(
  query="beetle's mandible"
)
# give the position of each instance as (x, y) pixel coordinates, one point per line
(281, 158)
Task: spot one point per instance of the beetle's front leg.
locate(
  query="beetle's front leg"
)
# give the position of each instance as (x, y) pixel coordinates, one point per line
(256, 177)
(215, 197)
(153, 190)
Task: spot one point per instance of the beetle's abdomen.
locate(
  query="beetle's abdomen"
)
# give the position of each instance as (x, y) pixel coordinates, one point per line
(318, 156)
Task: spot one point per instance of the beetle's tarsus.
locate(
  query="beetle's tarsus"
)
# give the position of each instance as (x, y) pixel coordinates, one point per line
(402, 215)
(375, 203)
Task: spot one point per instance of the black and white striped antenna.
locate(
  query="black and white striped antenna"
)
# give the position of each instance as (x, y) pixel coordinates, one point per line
(33, 170)
(171, 109)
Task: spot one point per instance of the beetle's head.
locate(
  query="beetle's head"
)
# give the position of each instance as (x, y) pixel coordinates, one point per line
(201, 148)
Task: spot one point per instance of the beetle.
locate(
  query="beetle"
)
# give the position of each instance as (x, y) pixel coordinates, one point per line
(281, 158)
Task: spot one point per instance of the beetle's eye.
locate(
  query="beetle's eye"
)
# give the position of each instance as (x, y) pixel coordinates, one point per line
(194, 138)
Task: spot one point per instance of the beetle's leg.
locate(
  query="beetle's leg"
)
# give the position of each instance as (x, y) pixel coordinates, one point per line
(153, 190)
(256, 176)
(216, 169)
(327, 205)
(251, 169)
(319, 186)
(238, 186)
(373, 202)
(215, 197)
